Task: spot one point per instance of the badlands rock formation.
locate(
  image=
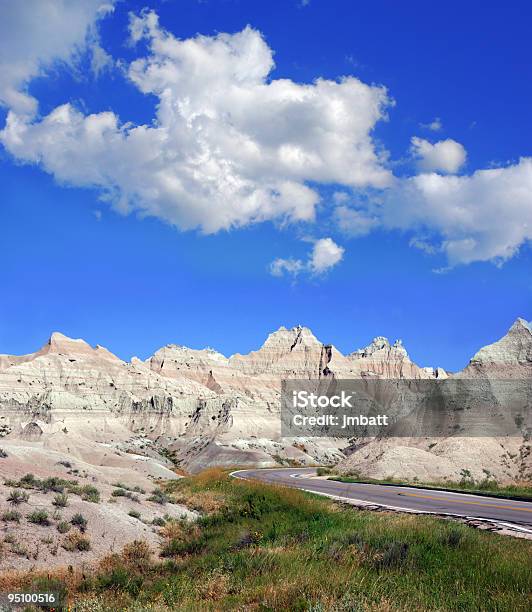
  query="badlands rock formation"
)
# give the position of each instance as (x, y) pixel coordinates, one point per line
(510, 357)
(201, 408)
(507, 459)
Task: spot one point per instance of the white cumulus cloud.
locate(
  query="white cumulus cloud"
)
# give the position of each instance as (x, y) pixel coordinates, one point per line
(485, 216)
(481, 217)
(446, 156)
(228, 146)
(36, 33)
(325, 254)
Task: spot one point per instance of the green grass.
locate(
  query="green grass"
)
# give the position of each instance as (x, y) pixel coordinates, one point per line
(482, 487)
(265, 548)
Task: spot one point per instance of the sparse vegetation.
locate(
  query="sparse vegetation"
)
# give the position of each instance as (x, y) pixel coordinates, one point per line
(158, 521)
(125, 493)
(262, 547)
(17, 497)
(19, 549)
(89, 493)
(60, 500)
(79, 521)
(137, 554)
(134, 489)
(12, 516)
(74, 541)
(51, 484)
(39, 517)
(119, 493)
(58, 485)
(158, 496)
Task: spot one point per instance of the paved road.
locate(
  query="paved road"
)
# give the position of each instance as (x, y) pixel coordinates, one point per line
(423, 500)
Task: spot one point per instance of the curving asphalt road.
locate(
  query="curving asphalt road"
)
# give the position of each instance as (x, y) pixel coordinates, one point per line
(500, 511)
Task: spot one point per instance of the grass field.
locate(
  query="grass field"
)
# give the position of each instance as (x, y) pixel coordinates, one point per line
(258, 547)
(482, 487)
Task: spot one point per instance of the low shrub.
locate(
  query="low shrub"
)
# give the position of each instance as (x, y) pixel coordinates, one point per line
(137, 554)
(79, 521)
(28, 480)
(159, 497)
(60, 500)
(135, 489)
(181, 538)
(120, 578)
(52, 484)
(58, 485)
(74, 541)
(453, 538)
(63, 527)
(20, 550)
(39, 517)
(16, 497)
(134, 514)
(12, 516)
(125, 493)
(90, 493)
(392, 555)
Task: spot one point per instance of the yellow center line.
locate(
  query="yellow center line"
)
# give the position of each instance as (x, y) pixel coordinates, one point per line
(474, 503)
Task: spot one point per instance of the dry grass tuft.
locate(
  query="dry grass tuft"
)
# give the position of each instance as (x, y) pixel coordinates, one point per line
(180, 530)
(210, 476)
(206, 502)
(137, 555)
(75, 541)
(216, 586)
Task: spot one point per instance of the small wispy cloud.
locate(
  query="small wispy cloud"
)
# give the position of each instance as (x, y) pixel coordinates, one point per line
(434, 126)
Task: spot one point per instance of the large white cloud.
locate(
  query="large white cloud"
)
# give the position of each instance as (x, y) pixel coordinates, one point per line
(443, 156)
(485, 216)
(36, 33)
(229, 145)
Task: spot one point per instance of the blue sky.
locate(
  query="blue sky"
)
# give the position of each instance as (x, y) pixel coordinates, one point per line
(429, 240)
